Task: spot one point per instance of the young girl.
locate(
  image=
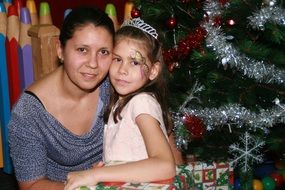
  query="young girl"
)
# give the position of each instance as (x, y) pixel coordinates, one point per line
(136, 147)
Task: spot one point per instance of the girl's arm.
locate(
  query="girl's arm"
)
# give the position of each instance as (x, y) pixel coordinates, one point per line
(178, 156)
(159, 166)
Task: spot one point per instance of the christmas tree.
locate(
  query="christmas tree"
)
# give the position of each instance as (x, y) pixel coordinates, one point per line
(226, 63)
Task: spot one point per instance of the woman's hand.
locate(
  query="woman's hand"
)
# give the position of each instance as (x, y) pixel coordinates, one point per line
(82, 178)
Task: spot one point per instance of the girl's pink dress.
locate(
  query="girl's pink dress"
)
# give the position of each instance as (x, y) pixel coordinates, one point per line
(123, 141)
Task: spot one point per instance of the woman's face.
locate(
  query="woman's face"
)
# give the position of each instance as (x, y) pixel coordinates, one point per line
(87, 56)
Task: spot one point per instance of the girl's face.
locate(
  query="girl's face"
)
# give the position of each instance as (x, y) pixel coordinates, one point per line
(87, 56)
(130, 69)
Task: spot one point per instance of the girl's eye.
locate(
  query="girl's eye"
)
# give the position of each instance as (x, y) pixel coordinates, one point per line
(117, 60)
(134, 62)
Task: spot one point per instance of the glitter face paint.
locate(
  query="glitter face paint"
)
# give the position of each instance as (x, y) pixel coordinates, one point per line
(137, 57)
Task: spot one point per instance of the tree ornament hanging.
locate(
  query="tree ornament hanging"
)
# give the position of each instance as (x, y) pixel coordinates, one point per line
(194, 125)
(257, 184)
(217, 21)
(268, 183)
(223, 2)
(184, 1)
(171, 66)
(171, 22)
(135, 13)
(269, 2)
(278, 178)
(192, 41)
(206, 17)
(231, 22)
(246, 152)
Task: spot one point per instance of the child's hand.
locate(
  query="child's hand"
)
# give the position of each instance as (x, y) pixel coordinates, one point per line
(80, 178)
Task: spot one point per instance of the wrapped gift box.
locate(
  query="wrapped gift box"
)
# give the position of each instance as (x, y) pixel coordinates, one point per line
(195, 175)
(212, 176)
(182, 181)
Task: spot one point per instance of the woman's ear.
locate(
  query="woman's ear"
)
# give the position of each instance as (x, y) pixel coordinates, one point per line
(59, 50)
(155, 69)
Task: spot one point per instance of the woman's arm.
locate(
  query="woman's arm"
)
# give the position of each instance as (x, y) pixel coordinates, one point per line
(159, 166)
(43, 184)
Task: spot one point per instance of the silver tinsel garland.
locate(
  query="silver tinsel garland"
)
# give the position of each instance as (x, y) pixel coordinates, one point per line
(272, 14)
(231, 115)
(229, 55)
(234, 115)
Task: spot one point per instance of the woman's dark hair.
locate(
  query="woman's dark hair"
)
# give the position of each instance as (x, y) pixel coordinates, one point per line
(81, 16)
(156, 87)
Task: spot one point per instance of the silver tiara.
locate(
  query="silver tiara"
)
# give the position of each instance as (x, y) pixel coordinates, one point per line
(140, 24)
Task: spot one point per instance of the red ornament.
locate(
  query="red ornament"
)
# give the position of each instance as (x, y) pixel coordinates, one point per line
(194, 125)
(280, 165)
(135, 13)
(171, 67)
(217, 21)
(278, 178)
(171, 23)
(223, 2)
(184, 47)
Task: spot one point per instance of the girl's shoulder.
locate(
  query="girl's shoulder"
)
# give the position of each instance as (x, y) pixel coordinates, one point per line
(144, 99)
(143, 95)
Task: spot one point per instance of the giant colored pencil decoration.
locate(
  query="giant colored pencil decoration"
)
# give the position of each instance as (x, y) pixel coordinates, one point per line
(45, 16)
(7, 3)
(18, 4)
(4, 91)
(110, 10)
(128, 9)
(30, 4)
(12, 47)
(25, 50)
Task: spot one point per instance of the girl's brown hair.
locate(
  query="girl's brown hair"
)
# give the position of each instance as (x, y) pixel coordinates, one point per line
(156, 87)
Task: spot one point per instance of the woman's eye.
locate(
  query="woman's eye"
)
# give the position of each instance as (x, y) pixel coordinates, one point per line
(105, 52)
(83, 50)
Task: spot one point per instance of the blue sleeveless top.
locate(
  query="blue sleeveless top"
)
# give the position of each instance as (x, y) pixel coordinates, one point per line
(41, 147)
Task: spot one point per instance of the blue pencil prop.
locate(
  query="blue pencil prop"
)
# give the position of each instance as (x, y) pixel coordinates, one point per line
(25, 49)
(4, 90)
(7, 3)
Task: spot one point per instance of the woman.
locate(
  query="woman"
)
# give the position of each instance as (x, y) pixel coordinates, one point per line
(57, 125)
